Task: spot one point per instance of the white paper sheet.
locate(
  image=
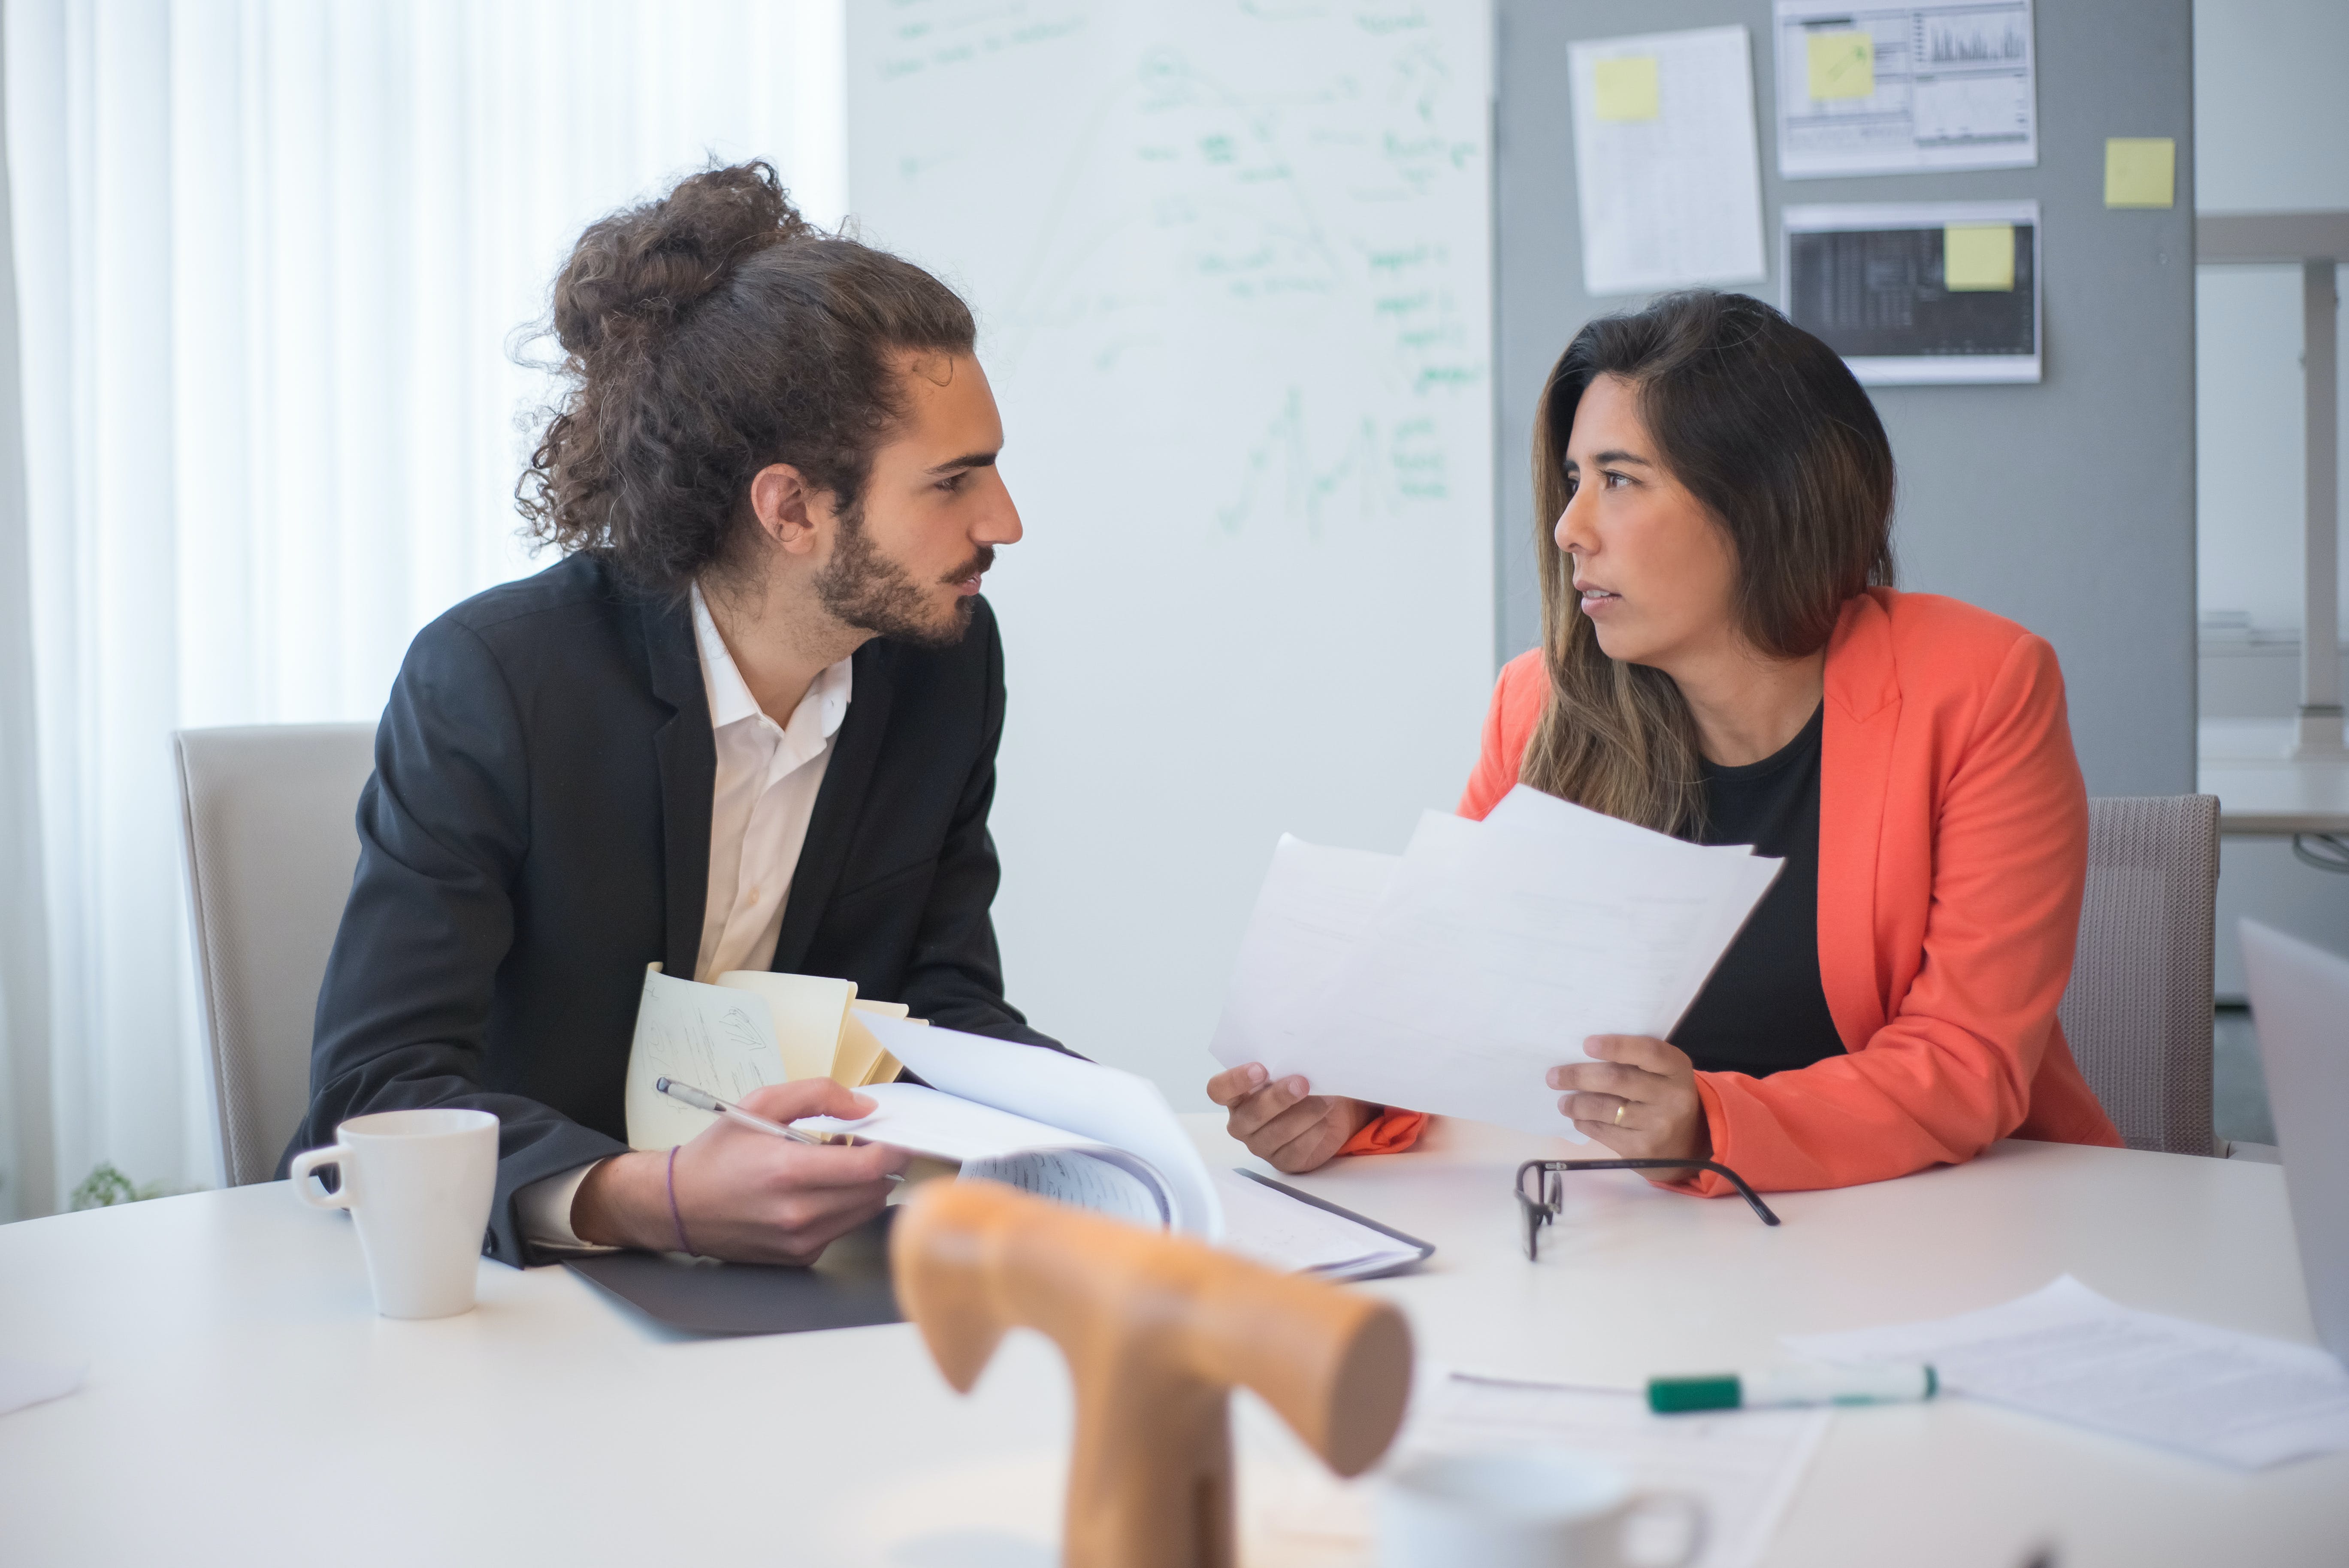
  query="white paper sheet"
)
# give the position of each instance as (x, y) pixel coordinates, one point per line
(1280, 1233)
(1541, 825)
(1743, 1466)
(1113, 1107)
(1314, 907)
(946, 1126)
(2068, 1353)
(1952, 87)
(1671, 198)
(1500, 946)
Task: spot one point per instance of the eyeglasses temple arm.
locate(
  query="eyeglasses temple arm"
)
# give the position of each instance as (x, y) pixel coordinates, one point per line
(1751, 1197)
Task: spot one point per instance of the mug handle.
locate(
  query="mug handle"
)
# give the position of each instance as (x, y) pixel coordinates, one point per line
(306, 1164)
(1689, 1507)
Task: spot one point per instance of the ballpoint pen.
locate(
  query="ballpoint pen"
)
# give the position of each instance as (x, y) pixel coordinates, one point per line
(702, 1100)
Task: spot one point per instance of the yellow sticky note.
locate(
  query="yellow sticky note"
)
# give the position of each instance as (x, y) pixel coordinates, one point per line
(2140, 171)
(1843, 65)
(1627, 88)
(1978, 258)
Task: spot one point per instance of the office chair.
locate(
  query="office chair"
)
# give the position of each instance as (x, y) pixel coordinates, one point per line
(266, 830)
(2138, 1012)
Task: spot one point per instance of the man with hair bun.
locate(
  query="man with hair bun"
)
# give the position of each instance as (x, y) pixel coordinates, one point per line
(748, 721)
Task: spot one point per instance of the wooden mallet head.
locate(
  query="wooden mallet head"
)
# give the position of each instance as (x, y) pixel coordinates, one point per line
(1157, 1329)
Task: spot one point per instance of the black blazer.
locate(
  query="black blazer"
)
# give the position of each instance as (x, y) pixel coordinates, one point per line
(537, 831)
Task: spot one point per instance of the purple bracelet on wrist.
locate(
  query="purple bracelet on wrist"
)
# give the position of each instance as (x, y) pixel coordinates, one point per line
(683, 1244)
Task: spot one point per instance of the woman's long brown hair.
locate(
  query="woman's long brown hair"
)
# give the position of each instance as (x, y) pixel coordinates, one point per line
(1767, 428)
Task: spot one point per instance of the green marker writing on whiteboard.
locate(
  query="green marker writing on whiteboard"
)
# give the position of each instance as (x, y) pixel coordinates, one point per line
(1797, 1384)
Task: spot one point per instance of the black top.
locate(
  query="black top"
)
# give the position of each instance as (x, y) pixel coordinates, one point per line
(537, 831)
(1763, 1010)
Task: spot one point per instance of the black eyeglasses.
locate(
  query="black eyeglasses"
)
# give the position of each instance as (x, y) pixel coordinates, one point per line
(1541, 1205)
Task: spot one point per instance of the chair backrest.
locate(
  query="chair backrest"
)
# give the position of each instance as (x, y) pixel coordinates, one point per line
(266, 819)
(2137, 1013)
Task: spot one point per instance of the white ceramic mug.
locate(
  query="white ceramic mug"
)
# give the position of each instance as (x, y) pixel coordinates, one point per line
(1530, 1509)
(418, 1183)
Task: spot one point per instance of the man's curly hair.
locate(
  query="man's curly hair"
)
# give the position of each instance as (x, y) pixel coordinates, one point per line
(706, 336)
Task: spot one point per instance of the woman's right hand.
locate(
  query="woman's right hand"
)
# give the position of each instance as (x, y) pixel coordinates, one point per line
(1285, 1124)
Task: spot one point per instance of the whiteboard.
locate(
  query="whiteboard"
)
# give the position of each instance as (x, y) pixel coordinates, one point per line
(1232, 266)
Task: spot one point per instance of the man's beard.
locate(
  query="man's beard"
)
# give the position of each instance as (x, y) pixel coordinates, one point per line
(872, 592)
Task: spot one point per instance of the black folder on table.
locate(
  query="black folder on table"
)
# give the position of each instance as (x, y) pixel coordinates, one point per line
(848, 1287)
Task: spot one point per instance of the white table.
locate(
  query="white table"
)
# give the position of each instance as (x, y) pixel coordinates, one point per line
(2264, 791)
(245, 1405)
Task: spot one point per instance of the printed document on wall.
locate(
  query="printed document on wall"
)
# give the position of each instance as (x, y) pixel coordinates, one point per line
(1666, 160)
(1889, 88)
(1919, 293)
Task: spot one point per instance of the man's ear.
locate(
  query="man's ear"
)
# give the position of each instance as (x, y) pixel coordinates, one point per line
(787, 507)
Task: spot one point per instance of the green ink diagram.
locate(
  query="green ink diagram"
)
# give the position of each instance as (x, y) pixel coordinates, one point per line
(1254, 256)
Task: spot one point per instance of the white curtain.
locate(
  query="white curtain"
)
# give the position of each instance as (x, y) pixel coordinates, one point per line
(271, 260)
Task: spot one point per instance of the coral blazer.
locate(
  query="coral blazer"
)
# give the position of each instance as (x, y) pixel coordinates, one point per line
(1954, 847)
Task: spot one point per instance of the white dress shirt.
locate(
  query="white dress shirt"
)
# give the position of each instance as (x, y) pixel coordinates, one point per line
(767, 775)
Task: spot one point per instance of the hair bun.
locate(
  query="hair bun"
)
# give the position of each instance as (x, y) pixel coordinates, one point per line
(644, 266)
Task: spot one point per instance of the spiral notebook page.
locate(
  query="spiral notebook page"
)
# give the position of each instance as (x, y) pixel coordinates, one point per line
(1077, 1178)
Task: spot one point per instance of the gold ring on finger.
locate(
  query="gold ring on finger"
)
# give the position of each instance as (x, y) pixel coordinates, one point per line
(1619, 1111)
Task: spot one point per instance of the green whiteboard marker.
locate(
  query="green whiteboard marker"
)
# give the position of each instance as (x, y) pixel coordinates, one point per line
(1793, 1384)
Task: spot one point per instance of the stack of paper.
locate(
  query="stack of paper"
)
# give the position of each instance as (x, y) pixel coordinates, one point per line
(2069, 1354)
(1454, 978)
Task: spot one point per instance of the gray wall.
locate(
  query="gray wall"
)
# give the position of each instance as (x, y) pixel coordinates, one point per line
(2068, 506)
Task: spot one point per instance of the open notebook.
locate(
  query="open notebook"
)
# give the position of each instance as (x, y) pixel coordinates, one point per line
(752, 1027)
(1037, 1119)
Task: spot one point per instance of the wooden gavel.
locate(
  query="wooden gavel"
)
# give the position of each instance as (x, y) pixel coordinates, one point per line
(1156, 1329)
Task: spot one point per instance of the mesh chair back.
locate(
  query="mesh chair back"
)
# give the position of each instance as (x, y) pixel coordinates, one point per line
(2138, 1011)
(267, 828)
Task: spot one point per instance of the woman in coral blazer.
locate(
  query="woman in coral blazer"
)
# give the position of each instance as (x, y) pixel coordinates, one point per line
(1724, 658)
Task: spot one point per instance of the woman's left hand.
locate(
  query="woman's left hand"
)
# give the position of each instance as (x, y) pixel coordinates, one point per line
(1637, 1097)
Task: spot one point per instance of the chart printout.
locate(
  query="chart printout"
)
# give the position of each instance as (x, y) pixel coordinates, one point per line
(1919, 293)
(1887, 89)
